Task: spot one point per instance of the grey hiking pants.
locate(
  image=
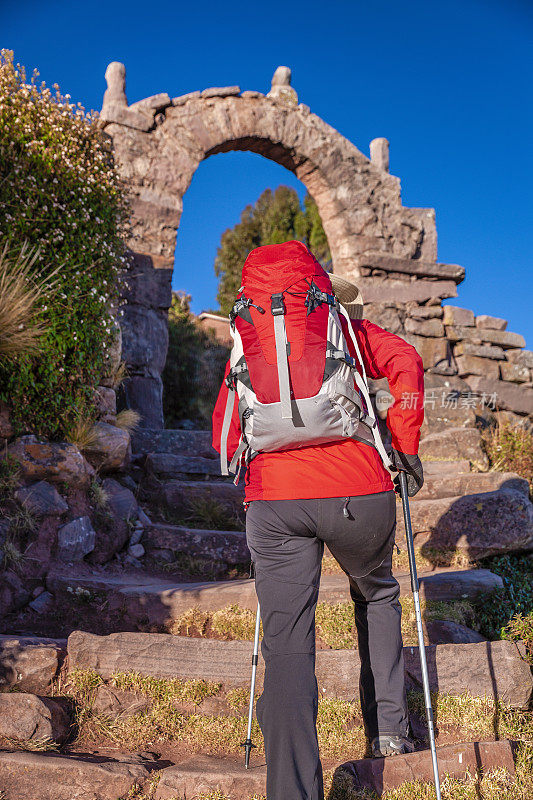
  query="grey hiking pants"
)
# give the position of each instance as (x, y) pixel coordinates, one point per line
(286, 539)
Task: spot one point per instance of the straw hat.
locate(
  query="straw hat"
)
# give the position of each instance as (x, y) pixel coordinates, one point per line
(348, 295)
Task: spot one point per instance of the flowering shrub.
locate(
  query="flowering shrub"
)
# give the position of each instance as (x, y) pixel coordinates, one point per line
(59, 192)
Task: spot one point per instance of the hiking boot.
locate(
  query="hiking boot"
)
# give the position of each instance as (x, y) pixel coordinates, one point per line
(383, 746)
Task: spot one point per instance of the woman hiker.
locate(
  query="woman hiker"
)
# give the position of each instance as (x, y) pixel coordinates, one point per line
(336, 493)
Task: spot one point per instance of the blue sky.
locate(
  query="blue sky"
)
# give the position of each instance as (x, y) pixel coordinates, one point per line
(449, 83)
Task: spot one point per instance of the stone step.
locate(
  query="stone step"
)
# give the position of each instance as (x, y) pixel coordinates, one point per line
(455, 760)
(176, 442)
(48, 776)
(162, 601)
(456, 485)
(491, 669)
(454, 443)
(479, 524)
(168, 465)
(181, 495)
(186, 497)
(440, 469)
(205, 775)
(228, 547)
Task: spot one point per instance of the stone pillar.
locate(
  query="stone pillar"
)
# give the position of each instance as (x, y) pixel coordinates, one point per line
(379, 153)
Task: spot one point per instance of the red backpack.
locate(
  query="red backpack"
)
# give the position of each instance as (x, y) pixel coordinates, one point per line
(296, 382)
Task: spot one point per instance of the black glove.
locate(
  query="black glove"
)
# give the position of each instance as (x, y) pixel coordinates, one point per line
(412, 466)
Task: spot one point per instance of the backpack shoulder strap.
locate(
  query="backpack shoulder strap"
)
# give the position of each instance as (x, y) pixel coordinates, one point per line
(362, 384)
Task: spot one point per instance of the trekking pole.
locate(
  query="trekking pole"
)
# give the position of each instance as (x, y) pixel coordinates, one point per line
(248, 743)
(421, 646)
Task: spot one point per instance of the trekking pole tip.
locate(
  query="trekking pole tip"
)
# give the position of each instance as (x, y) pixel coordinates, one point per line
(248, 745)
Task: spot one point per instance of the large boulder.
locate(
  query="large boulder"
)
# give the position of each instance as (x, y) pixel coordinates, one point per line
(110, 448)
(58, 462)
(28, 663)
(28, 718)
(479, 525)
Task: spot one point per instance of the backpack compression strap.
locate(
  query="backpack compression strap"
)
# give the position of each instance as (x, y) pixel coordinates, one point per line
(362, 385)
(280, 335)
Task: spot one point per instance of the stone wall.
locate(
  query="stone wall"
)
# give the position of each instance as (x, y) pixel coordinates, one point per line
(390, 250)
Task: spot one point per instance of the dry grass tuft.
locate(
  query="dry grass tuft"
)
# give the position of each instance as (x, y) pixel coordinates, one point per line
(82, 433)
(20, 330)
(128, 419)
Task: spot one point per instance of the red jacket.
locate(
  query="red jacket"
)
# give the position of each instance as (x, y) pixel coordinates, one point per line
(347, 468)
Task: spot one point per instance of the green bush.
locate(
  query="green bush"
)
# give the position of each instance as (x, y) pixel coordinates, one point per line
(495, 610)
(59, 192)
(194, 368)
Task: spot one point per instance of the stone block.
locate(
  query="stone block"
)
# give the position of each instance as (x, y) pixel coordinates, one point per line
(42, 603)
(492, 323)
(76, 539)
(478, 525)
(48, 776)
(491, 669)
(144, 338)
(435, 353)
(148, 284)
(28, 663)
(41, 499)
(106, 403)
(145, 394)
(374, 290)
(504, 339)
(522, 358)
(27, 718)
(453, 315)
(454, 444)
(184, 98)
(456, 761)
(228, 547)
(423, 269)
(513, 373)
(425, 312)
(109, 448)
(504, 395)
(425, 327)
(126, 117)
(221, 91)
(385, 315)
(58, 462)
(379, 153)
(480, 350)
(155, 103)
(472, 365)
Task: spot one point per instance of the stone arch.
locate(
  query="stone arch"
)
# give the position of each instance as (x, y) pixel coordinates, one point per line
(159, 143)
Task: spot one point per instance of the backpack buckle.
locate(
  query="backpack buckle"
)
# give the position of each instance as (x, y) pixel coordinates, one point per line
(277, 305)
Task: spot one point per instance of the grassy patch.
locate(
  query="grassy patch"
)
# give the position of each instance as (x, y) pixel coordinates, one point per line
(335, 625)
(510, 449)
(520, 628)
(9, 477)
(163, 689)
